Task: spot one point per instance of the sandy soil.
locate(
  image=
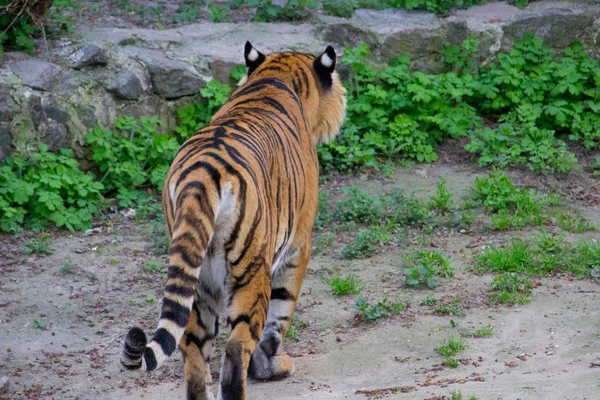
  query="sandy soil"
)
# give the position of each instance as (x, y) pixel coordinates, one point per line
(548, 349)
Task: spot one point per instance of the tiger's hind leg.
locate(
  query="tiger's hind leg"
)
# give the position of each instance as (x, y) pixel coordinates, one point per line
(248, 306)
(268, 360)
(197, 341)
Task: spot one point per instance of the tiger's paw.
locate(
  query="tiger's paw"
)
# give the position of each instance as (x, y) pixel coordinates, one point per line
(274, 367)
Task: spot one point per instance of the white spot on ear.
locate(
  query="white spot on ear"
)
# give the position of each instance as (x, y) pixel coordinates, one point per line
(326, 60)
(253, 55)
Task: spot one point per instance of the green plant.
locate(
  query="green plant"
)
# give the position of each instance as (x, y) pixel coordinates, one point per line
(366, 243)
(449, 309)
(344, 286)
(397, 113)
(194, 116)
(383, 308)
(47, 188)
(359, 207)
(442, 201)
(542, 256)
(187, 12)
(133, 156)
(425, 266)
(41, 246)
(68, 268)
(160, 237)
(452, 363)
(484, 331)
(574, 223)
(524, 144)
(429, 300)
(324, 214)
(153, 266)
(294, 10)
(218, 13)
(40, 325)
(292, 330)
(18, 22)
(322, 242)
(339, 8)
(462, 58)
(451, 346)
(511, 288)
(512, 207)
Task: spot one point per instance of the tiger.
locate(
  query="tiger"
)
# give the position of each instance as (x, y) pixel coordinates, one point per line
(240, 201)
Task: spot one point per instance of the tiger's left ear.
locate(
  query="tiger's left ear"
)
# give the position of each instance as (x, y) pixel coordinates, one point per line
(253, 57)
(324, 66)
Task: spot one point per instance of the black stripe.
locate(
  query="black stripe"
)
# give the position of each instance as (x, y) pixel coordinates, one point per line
(175, 312)
(281, 294)
(176, 272)
(242, 318)
(180, 290)
(166, 342)
(150, 359)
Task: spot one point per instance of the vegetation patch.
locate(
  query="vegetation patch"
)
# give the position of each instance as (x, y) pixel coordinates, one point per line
(383, 308)
(345, 286)
(542, 256)
(425, 267)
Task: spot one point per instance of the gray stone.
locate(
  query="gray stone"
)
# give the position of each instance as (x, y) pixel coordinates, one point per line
(87, 115)
(54, 134)
(171, 79)
(8, 108)
(221, 71)
(416, 43)
(558, 27)
(90, 55)
(455, 30)
(37, 74)
(348, 35)
(5, 151)
(126, 86)
(56, 114)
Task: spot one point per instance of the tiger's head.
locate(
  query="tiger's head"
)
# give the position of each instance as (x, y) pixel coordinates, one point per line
(314, 80)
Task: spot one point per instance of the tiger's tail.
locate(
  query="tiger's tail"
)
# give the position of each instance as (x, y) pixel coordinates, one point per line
(193, 228)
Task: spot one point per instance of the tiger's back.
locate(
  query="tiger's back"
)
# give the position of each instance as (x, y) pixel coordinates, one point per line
(240, 200)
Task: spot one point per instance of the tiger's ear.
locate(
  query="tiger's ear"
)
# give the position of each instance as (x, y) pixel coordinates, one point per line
(324, 66)
(253, 57)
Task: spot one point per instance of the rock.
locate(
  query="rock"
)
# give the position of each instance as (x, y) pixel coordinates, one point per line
(87, 115)
(221, 71)
(8, 108)
(37, 74)
(90, 55)
(558, 27)
(56, 114)
(126, 86)
(424, 46)
(171, 79)
(348, 35)
(455, 30)
(54, 134)
(5, 148)
(4, 385)
(49, 122)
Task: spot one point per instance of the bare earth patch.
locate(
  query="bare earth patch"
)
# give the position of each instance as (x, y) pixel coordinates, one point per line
(63, 328)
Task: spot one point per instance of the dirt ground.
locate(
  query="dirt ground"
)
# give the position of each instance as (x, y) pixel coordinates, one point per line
(548, 349)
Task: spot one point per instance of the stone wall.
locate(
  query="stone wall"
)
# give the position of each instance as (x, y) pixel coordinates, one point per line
(72, 85)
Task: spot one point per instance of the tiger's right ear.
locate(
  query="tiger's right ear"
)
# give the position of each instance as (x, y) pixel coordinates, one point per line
(253, 57)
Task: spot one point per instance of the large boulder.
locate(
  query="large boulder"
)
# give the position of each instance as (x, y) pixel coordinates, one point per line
(37, 74)
(5, 148)
(558, 27)
(171, 79)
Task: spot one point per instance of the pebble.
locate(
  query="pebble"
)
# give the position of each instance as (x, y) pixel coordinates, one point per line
(4, 384)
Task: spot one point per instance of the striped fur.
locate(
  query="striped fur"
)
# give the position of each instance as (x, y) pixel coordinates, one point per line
(240, 201)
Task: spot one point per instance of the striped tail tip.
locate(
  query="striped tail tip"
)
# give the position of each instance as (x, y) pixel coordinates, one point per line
(133, 348)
